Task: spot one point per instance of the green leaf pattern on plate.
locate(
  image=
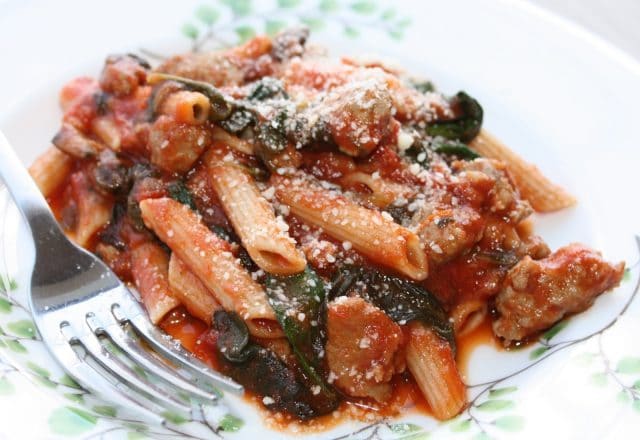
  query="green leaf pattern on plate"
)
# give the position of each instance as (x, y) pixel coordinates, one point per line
(71, 421)
(629, 365)
(223, 23)
(23, 328)
(230, 423)
(624, 377)
(6, 387)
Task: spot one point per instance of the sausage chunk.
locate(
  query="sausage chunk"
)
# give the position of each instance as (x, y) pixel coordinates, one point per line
(175, 147)
(360, 116)
(537, 294)
(362, 348)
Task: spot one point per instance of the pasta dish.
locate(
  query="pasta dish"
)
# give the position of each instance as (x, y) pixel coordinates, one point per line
(323, 231)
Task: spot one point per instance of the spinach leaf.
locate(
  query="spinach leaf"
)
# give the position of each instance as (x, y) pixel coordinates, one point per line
(221, 107)
(403, 301)
(271, 142)
(423, 86)
(455, 149)
(466, 126)
(224, 233)
(267, 88)
(296, 300)
(422, 152)
(257, 369)
(272, 134)
(233, 336)
(179, 192)
(239, 120)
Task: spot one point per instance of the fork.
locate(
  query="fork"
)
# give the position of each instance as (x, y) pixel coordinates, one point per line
(77, 301)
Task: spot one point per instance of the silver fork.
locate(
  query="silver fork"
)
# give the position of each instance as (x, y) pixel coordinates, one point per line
(76, 300)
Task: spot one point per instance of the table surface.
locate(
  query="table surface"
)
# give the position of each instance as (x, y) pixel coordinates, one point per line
(614, 20)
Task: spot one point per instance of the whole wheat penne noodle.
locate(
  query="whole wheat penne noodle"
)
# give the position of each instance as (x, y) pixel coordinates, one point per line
(383, 192)
(371, 233)
(94, 209)
(190, 291)
(107, 130)
(231, 141)
(467, 316)
(209, 257)
(263, 236)
(50, 170)
(149, 267)
(187, 107)
(432, 364)
(544, 195)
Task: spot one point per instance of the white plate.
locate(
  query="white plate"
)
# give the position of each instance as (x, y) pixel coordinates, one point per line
(563, 98)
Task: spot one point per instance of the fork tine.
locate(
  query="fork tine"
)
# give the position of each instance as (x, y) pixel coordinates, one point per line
(176, 353)
(98, 384)
(119, 369)
(132, 348)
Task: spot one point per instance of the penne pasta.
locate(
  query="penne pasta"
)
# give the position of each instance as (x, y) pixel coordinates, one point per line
(210, 258)
(467, 316)
(542, 194)
(50, 170)
(107, 130)
(189, 290)
(149, 267)
(432, 364)
(187, 107)
(382, 193)
(263, 236)
(231, 141)
(374, 235)
(94, 209)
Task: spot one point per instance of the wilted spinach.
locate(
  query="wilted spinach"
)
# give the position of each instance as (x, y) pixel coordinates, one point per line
(267, 88)
(271, 141)
(239, 120)
(179, 192)
(441, 146)
(403, 301)
(259, 370)
(464, 127)
(296, 300)
(423, 86)
(272, 134)
(233, 336)
(453, 148)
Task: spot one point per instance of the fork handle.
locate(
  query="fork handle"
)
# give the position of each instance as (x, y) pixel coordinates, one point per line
(28, 198)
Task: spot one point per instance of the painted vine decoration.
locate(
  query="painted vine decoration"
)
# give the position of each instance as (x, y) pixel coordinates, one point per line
(223, 23)
(625, 375)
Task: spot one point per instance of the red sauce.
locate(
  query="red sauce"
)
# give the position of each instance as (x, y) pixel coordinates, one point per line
(183, 327)
(482, 335)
